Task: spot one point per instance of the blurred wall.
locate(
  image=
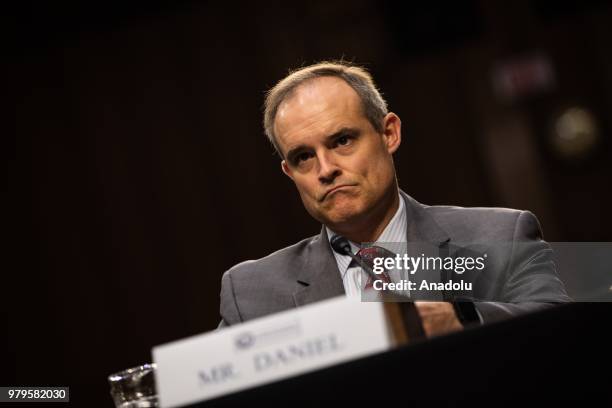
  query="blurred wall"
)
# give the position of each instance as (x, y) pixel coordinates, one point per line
(141, 172)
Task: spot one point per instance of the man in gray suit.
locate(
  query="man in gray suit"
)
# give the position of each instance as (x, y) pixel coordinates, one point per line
(336, 139)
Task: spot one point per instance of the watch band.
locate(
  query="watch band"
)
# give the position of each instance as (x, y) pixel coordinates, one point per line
(466, 312)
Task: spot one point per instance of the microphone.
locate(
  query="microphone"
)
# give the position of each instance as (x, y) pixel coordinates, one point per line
(342, 246)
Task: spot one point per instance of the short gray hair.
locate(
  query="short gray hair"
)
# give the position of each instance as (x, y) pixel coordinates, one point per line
(373, 104)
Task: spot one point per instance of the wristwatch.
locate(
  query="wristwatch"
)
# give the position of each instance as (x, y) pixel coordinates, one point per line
(466, 312)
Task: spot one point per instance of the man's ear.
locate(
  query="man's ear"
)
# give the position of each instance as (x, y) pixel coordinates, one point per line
(286, 169)
(392, 132)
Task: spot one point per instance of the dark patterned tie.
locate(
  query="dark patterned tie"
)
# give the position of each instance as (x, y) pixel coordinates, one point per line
(367, 255)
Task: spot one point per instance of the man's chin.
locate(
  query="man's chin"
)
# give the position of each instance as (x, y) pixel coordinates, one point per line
(342, 220)
(342, 215)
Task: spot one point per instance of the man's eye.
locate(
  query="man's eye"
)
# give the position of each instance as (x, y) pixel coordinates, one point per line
(343, 140)
(302, 157)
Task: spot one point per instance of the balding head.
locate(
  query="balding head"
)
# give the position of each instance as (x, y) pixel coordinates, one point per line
(373, 106)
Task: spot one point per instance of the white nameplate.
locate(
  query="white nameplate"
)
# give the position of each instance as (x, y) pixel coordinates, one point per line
(268, 349)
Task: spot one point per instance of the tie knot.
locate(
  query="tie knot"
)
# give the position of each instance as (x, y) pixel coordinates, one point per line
(369, 253)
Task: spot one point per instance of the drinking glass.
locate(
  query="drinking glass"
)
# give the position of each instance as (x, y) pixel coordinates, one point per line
(134, 387)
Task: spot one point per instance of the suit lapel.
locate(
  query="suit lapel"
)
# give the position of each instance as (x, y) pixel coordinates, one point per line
(421, 227)
(319, 278)
(424, 236)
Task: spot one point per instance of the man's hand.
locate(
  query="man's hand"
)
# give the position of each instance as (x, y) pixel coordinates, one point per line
(438, 317)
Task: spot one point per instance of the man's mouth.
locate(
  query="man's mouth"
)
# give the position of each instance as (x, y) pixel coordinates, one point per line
(335, 189)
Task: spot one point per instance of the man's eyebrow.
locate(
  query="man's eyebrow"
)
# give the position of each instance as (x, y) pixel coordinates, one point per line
(345, 131)
(293, 152)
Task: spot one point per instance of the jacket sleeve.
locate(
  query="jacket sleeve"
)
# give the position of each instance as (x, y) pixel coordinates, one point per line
(228, 307)
(531, 281)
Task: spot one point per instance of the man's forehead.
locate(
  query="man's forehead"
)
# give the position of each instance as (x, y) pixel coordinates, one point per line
(319, 91)
(324, 101)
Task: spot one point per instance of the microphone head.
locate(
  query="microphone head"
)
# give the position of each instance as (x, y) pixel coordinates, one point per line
(341, 245)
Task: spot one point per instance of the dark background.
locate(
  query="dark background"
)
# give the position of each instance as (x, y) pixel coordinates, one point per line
(139, 171)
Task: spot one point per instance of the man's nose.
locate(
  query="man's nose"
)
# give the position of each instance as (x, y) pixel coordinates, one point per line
(328, 168)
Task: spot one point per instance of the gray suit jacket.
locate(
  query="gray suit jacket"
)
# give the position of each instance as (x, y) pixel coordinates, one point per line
(520, 275)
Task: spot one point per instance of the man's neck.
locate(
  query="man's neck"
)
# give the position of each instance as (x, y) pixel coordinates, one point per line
(371, 227)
